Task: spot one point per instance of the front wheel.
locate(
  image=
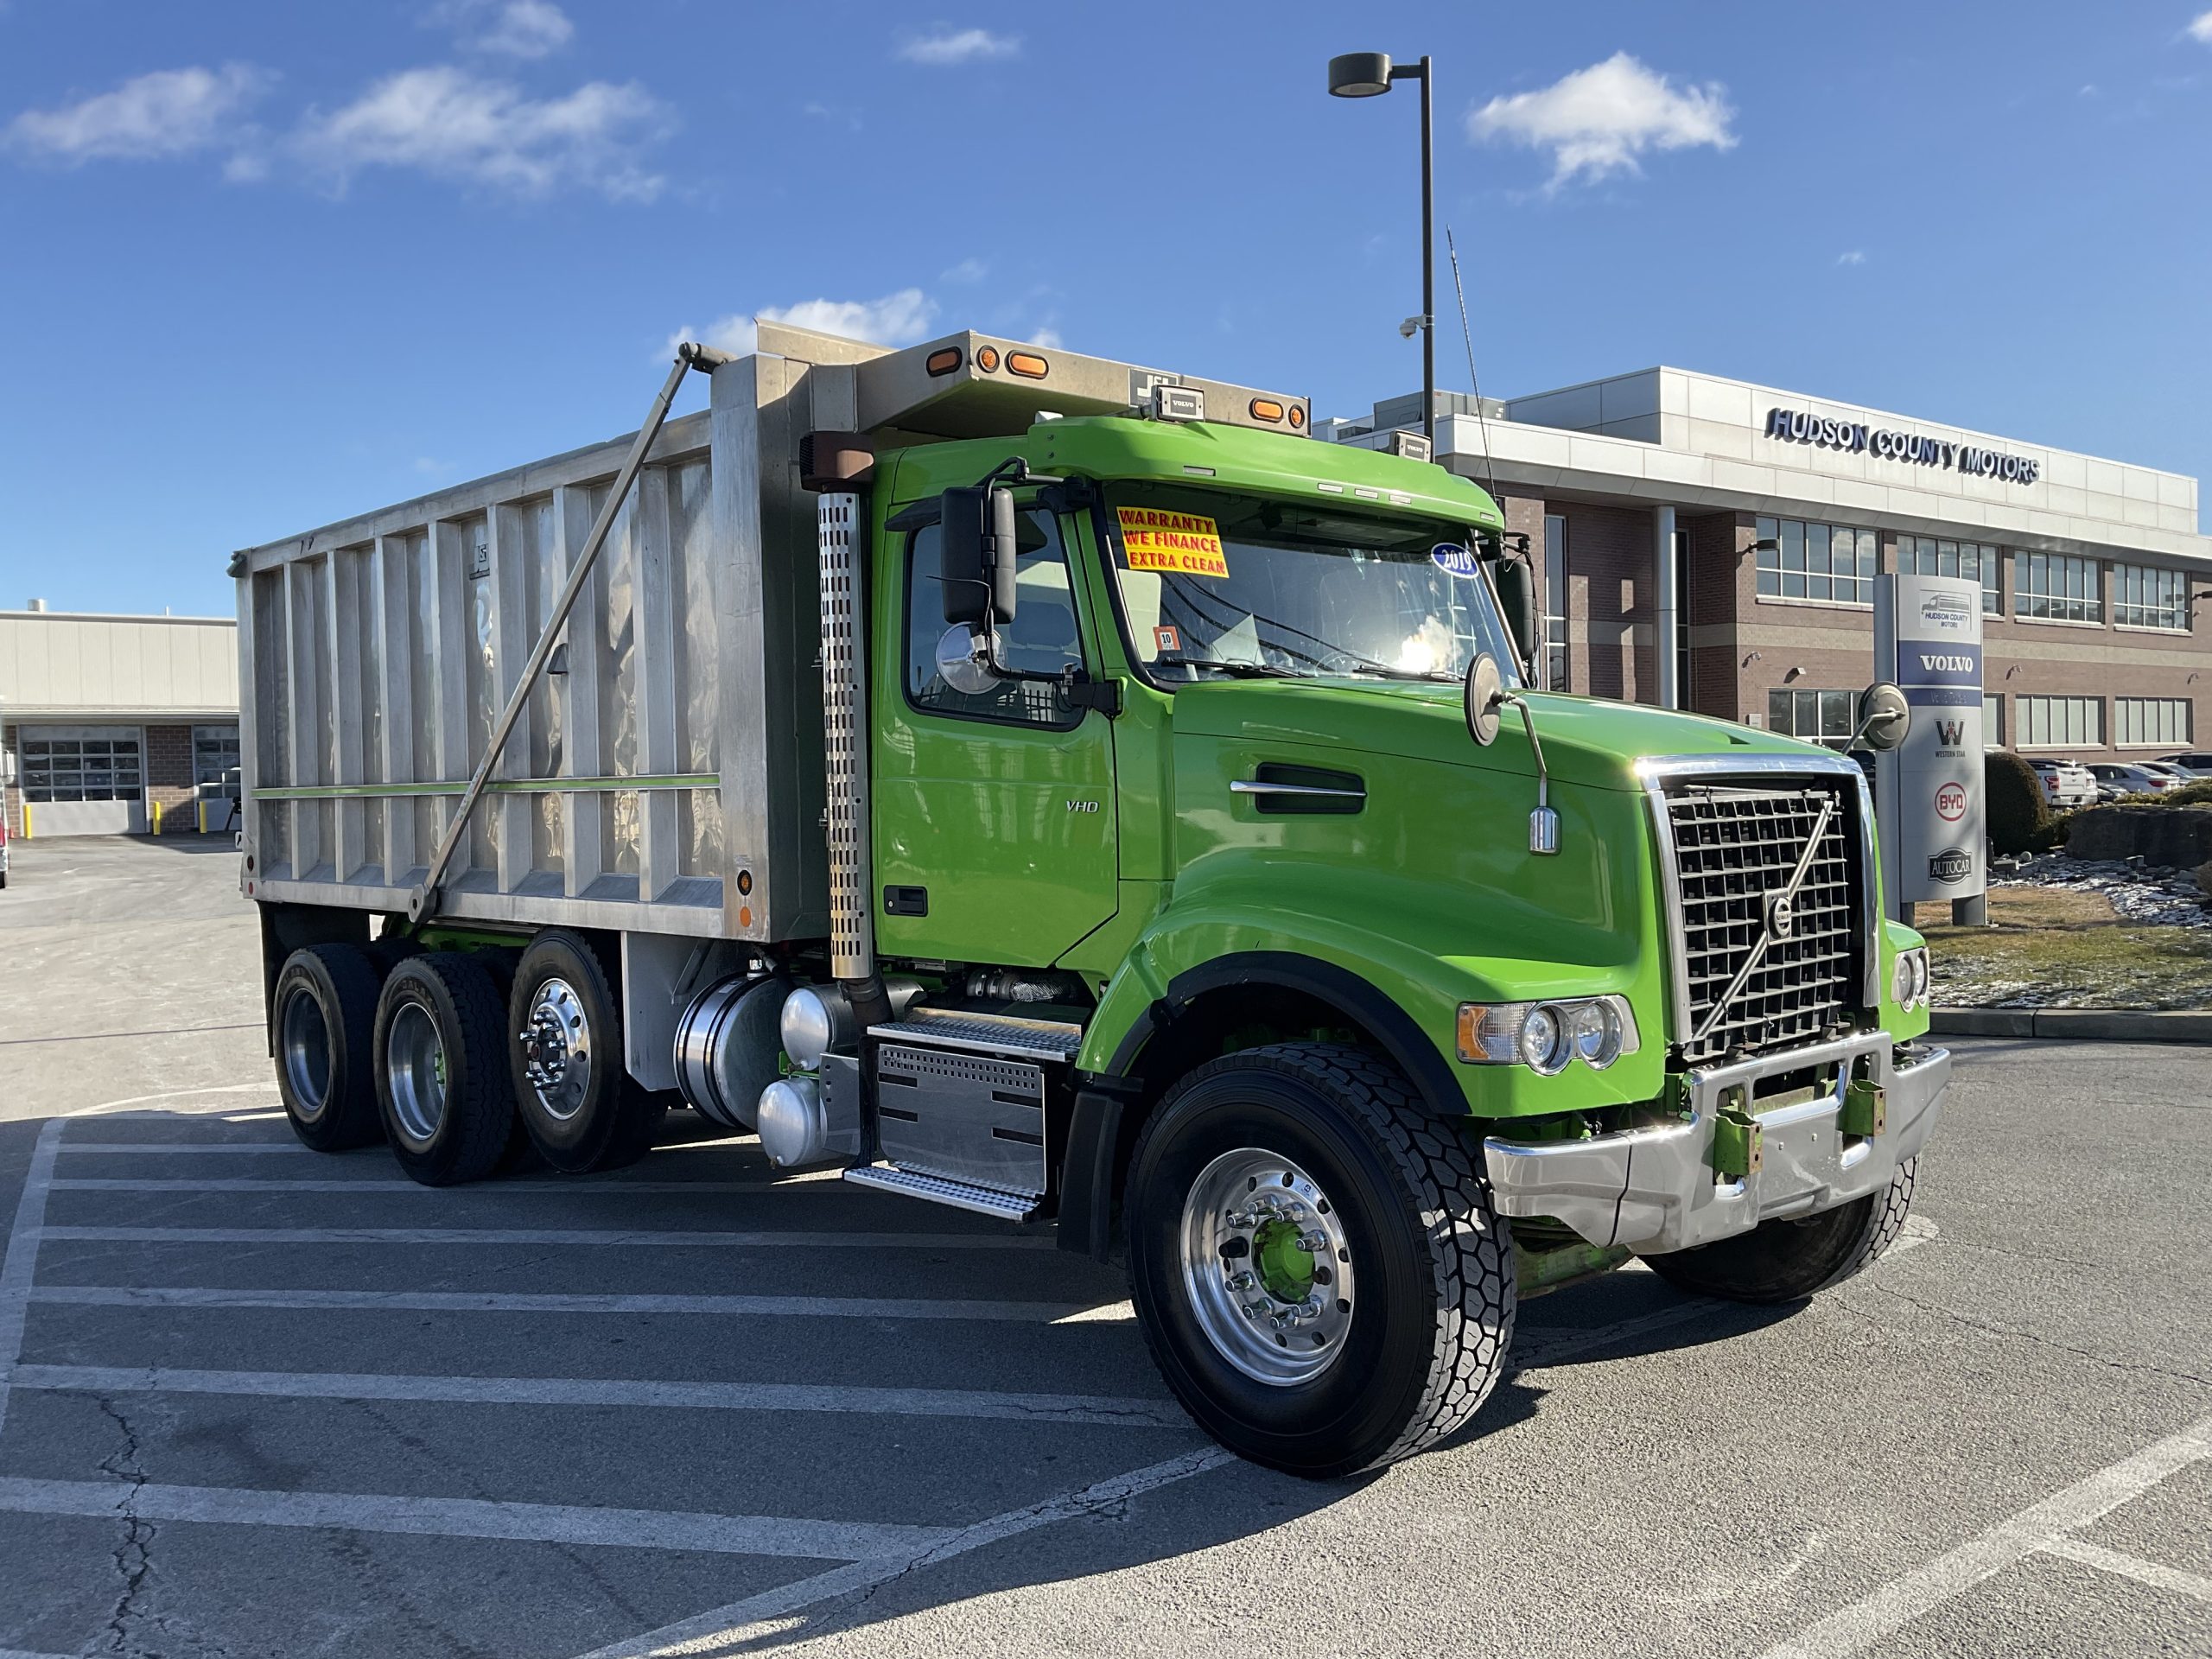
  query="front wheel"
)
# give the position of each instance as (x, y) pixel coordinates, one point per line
(1788, 1260)
(1315, 1261)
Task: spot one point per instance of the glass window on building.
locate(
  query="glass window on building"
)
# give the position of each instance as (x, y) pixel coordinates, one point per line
(1931, 555)
(215, 761)
(1817, 716)
(2062, 722)
(1555, 601)
(2144, 596)
(2149, 722)
(1829, 562)
(1992, 720)
(2057, 587)
(80, 763)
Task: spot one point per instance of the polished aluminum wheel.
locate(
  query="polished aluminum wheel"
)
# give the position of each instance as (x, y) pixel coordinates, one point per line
(555, 1042)
(1267, 1266)
(414, 1061)
(304, 1038)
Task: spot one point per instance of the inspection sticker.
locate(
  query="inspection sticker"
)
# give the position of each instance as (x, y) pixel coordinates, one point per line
(1186, 544)
(1453, 559)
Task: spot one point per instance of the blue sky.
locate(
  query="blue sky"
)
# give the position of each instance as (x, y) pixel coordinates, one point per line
(266, 265)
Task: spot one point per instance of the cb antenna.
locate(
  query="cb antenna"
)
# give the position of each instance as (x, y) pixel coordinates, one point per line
(1490, 473)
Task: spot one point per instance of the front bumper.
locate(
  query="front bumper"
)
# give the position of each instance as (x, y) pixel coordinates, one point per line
(1655, 1189)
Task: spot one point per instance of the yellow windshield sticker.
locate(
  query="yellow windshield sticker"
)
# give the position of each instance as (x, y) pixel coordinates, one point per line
(1186, 544)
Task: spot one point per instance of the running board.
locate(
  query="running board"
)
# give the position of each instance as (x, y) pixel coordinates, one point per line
(982, 1200)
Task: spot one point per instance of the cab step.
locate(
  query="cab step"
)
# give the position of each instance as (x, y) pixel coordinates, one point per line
(1049, 1042)
(982, 1200)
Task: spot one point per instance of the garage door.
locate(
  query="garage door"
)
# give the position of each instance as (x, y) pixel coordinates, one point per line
(84, 780)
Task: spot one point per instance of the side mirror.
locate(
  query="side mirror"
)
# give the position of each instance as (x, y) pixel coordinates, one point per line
(1485, 698)
(1884, 717)
(963, 659)
(1516, 591)
(975, 553)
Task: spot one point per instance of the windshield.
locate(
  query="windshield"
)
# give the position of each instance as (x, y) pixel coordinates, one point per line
(1213, 586)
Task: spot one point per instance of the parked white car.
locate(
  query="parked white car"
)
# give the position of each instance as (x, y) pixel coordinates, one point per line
(2196, 766)
(2115, 781)
(2066, 784)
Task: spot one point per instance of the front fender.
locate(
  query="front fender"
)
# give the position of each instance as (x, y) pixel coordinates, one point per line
(1385, 933)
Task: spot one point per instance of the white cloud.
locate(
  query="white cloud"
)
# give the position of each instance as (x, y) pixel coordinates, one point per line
(967, 270)
(450, 123)
(526, 29)
(1852, 256)
(1046, 336)
(949, 47)
(169, 112)
(2200, 28)
(1597, 121)
(899, 319)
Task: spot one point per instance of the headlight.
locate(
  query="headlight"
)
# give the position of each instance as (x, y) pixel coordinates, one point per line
(1909, 978)
(1546, 1036)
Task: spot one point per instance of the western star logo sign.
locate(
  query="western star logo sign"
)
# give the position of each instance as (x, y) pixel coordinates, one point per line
(1949, 734)
(1795, 426)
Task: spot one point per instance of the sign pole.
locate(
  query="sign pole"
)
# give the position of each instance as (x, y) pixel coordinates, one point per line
(1928, 793)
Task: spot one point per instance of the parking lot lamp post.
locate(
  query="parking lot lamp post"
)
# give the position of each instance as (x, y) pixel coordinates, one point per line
(1365, 74)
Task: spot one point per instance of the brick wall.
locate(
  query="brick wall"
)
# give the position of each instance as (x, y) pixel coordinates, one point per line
(1610, 619)
(11, 797)
(168, 778)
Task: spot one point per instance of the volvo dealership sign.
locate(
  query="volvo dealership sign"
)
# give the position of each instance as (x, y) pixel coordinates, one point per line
(1796, 426)
(1928, 793)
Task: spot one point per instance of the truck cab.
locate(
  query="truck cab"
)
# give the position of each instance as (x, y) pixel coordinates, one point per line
(1179, 856)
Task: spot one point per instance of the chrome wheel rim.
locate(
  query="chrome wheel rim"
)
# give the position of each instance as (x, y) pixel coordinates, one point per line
(414, 1061)
(1267, 1266)
(304, 1035)
(555, 1040)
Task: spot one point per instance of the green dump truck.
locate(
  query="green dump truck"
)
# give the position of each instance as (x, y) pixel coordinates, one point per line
(1066, 791)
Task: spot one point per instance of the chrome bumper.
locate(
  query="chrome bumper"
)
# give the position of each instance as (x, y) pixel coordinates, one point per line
(1655, 1189)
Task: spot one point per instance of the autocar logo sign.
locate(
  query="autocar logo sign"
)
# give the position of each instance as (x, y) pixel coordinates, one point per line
(1951, 865)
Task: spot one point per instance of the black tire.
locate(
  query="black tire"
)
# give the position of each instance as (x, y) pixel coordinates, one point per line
(322, 1024)
(1788, 1260)
(606, 1120)
(1431, 1315)
(441, 1069)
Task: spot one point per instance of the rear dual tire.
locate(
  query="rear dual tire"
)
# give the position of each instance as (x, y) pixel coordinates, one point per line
(443, 1084)
(323, 1027)
(573, 1091)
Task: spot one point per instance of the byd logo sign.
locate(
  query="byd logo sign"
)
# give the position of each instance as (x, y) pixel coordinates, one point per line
(1951, 802)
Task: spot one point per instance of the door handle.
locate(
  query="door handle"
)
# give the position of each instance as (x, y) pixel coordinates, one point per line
(1262, 786)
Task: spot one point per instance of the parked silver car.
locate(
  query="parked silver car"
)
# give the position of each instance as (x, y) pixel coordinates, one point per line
(2066, 784)
(2115, 781)
(2196, 764)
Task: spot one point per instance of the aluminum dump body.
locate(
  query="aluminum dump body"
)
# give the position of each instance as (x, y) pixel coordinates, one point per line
(667, 772)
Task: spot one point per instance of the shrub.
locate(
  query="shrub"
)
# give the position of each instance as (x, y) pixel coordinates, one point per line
(2196, 794)
(2056, 828)
(2018, 815)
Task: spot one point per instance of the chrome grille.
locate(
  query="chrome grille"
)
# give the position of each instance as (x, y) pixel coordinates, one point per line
(1734, 846)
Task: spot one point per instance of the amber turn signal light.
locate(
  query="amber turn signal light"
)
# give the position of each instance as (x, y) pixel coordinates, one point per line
(986, 360)
(1266, 409)
(943, 362)
(1027, 364)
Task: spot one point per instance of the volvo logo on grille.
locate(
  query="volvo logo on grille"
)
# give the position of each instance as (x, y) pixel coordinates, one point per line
(1782, 914)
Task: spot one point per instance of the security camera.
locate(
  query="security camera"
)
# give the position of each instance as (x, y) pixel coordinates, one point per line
(1409, 327)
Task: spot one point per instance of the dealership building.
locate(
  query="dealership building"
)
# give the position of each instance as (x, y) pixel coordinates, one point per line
(117, 724)
(1710, 544)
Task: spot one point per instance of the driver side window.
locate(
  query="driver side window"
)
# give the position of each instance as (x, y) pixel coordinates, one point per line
(1041, 639)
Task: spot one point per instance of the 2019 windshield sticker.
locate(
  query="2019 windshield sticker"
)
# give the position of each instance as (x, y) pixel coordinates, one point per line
(1453, 559)
(1184, 543)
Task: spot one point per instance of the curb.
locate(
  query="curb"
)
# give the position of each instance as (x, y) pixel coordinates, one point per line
(2076, 1025)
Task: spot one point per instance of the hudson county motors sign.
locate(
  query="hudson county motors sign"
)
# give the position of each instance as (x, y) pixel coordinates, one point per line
(1796, 426)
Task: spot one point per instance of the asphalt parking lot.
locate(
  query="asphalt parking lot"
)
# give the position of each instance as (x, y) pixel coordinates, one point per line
(263, 1403)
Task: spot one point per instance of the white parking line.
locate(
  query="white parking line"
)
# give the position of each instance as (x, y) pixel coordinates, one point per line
(634, 1238)
(566, 1189)
(1851, 1629)
(20, 1265)
(470, 1517)
(1129, 1412)
(503, 1301)
(2155, 1573)
(737, 1627)
(25, 1653)
(184, 1148)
